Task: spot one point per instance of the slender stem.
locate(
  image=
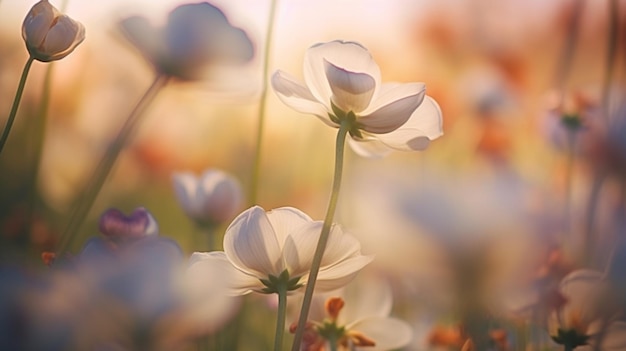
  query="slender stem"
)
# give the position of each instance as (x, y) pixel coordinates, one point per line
(594, 196)
(610, 57)
(321, 244)
(256, 167)
(106, 164)
(280, 320)
(333, 344)
(565, 61)
(569, 176)
(38, 137)
(16, 102)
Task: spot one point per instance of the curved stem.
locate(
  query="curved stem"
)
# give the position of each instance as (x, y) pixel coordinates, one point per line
(321, 244)
(254, 182)
(16, 102)
(280, 321)
(106, 164)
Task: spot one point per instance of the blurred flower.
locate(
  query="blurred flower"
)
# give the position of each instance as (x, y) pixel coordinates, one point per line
(116, 226)
(211, 199)
(588, 314)
(49, 34)
(343, 85)
(265, 249)
(206, 292)
(195, 37)
(355, 318)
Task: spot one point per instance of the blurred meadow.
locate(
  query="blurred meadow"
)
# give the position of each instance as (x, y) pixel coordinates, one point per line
(510, 194)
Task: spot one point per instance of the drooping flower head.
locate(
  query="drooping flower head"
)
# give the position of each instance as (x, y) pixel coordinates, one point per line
(265, 249)
(213, 198)
(343, 85)
(49, 34)
(195, 37)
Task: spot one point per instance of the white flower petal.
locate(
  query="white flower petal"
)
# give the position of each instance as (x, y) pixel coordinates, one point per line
(295, 95)
(587, 295)
(37, 23)
(615, 338)
(186, 191)
(219, 196)
(300, 248)
(370, 147)
(393, 108)
(347, 55)
(337, 276)
(424, 125)
(61, 36)
(374, 298)
(387, 333)
(251, 244)
(286, 221)
(213, 270)
(351, 91)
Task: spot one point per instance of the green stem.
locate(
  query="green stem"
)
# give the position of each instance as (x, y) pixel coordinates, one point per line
(280, 321)
(38, 137)
(16, 102)
(321, 244)
(594, 196)
(256, 167)
(569, 176)
(106, 164)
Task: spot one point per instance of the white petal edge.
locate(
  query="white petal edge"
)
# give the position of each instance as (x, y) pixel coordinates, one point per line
(206, 264)
(348, 55)
(186, 188)
(393, 108)
(250, 243)
(424, 125)
(297, 96)
(387, 333)
(351, 91)
(370, 148)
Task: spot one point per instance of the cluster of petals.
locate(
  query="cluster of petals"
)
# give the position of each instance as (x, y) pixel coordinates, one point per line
(589, 314)
(195, 37)
(49, 34)
(212, 198)
(360, 312)
(261, 246)
(344, 82)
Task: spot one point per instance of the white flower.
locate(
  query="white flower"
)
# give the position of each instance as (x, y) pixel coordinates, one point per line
(589, 311)
(195, 37)
(214, 197)
(357, 318)
(343, 85)
(264, 249)
(49, 34)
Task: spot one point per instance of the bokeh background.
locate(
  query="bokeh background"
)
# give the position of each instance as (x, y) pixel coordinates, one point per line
(479, 211)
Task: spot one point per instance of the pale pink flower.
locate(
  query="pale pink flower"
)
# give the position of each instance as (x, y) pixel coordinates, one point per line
(262, 247)
(343, 83)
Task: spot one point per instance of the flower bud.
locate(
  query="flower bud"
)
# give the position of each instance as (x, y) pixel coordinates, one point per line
(213, 198)
(49, 34)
